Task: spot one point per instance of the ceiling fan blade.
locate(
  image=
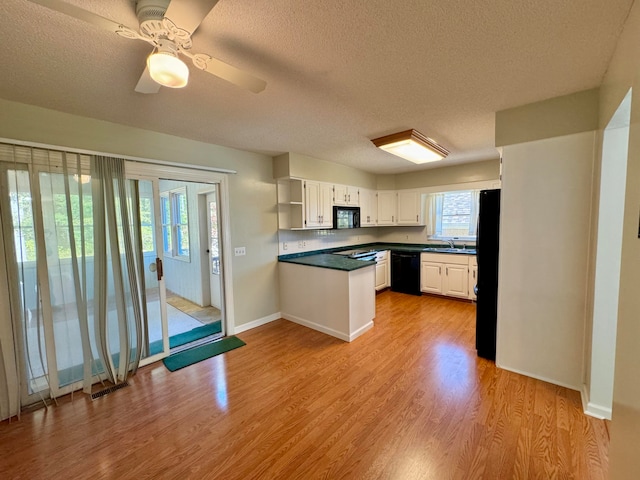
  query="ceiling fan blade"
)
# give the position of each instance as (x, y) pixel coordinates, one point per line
(227, 72)
(81, 14)
(146, 84)
(188, 14)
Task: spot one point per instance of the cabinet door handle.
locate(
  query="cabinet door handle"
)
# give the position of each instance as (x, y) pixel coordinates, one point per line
(416, 218)
(392, 218)
(474, 274)
(447, 271)
(439, 270)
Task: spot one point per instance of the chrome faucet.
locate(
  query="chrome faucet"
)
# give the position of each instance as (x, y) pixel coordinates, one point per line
(450, 242)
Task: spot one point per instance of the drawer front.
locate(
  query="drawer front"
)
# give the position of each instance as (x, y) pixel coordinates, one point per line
(380, 256)
(453, 258)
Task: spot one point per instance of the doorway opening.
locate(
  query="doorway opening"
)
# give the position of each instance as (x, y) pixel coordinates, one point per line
(189, 213)
(613, 177)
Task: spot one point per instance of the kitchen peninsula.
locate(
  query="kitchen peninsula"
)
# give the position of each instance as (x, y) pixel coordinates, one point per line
(335, 294)
(328, 293)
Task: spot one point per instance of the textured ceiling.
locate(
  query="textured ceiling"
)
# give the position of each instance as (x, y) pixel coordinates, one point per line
(338, 72)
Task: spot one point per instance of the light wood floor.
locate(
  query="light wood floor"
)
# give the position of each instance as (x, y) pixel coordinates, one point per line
(407, 400)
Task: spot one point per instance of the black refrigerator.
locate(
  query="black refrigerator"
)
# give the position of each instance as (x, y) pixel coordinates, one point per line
(487, 248)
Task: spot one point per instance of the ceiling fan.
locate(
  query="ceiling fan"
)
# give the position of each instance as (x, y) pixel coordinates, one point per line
(167, 25)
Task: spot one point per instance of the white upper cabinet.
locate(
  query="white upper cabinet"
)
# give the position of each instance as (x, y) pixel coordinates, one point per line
(368, 208)
(318, 204)
(346, 195)
(290, 204)
(410, 207)
(308, 204)
(387, 207)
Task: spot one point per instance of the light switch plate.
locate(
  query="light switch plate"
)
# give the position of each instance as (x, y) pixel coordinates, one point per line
(239, 251)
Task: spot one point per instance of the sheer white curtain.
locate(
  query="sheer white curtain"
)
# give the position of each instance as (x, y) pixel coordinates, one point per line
(9, 374)
(119, 266)
(74, 278)
(475, 203)
(434, 206)
(435, 203)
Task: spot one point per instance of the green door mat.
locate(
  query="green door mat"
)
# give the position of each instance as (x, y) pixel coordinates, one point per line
(187, 337)
(197, 354)
(195, 334)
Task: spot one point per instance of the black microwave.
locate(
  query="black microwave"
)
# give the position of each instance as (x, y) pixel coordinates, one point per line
(346, 217)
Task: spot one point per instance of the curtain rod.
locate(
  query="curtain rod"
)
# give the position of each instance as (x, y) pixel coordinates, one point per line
(11, 141)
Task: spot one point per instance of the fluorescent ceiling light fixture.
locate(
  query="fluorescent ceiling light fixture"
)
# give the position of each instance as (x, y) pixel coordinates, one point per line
(411, 145)
(167, 69)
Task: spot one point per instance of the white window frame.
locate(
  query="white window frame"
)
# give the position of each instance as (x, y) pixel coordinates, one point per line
(437, 210)
(173, 199)
(148, 197)
(479, 185)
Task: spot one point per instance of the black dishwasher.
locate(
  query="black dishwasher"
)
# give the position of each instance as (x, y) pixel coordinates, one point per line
(405, 272)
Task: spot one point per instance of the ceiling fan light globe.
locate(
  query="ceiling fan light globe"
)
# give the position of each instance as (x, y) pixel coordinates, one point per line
(168, 70)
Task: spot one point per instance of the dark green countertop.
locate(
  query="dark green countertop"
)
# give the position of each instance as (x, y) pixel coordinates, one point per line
(326, 259)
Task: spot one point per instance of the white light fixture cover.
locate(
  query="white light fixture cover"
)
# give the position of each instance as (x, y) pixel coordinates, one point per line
(411, 145)
(166, 68)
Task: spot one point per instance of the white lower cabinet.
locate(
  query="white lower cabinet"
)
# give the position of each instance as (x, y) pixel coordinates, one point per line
(455, 282)
(444, 274)
(430, 277)
(383, 272)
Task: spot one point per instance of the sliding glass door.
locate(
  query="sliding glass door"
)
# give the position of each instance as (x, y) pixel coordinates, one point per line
(87, 242)
(51, 237)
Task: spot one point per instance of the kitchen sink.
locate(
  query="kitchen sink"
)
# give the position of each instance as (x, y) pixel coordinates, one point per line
(468, 251)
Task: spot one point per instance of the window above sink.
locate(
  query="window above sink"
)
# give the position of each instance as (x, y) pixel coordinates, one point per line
(453, 215)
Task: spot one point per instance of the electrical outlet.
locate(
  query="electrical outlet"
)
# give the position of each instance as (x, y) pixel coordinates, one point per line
(239, 251)
(304, 243)
(300, 244)
(284, 245)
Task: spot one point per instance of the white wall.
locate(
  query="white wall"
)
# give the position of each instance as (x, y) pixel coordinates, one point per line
(606, 277)
(622, 74)
(545, 222)
(252, 190)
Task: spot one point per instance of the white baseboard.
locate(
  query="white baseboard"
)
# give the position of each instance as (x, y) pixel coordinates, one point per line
(257, 323)
(592, 409)
(360, 331)
(539, 377)
(316, 326)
